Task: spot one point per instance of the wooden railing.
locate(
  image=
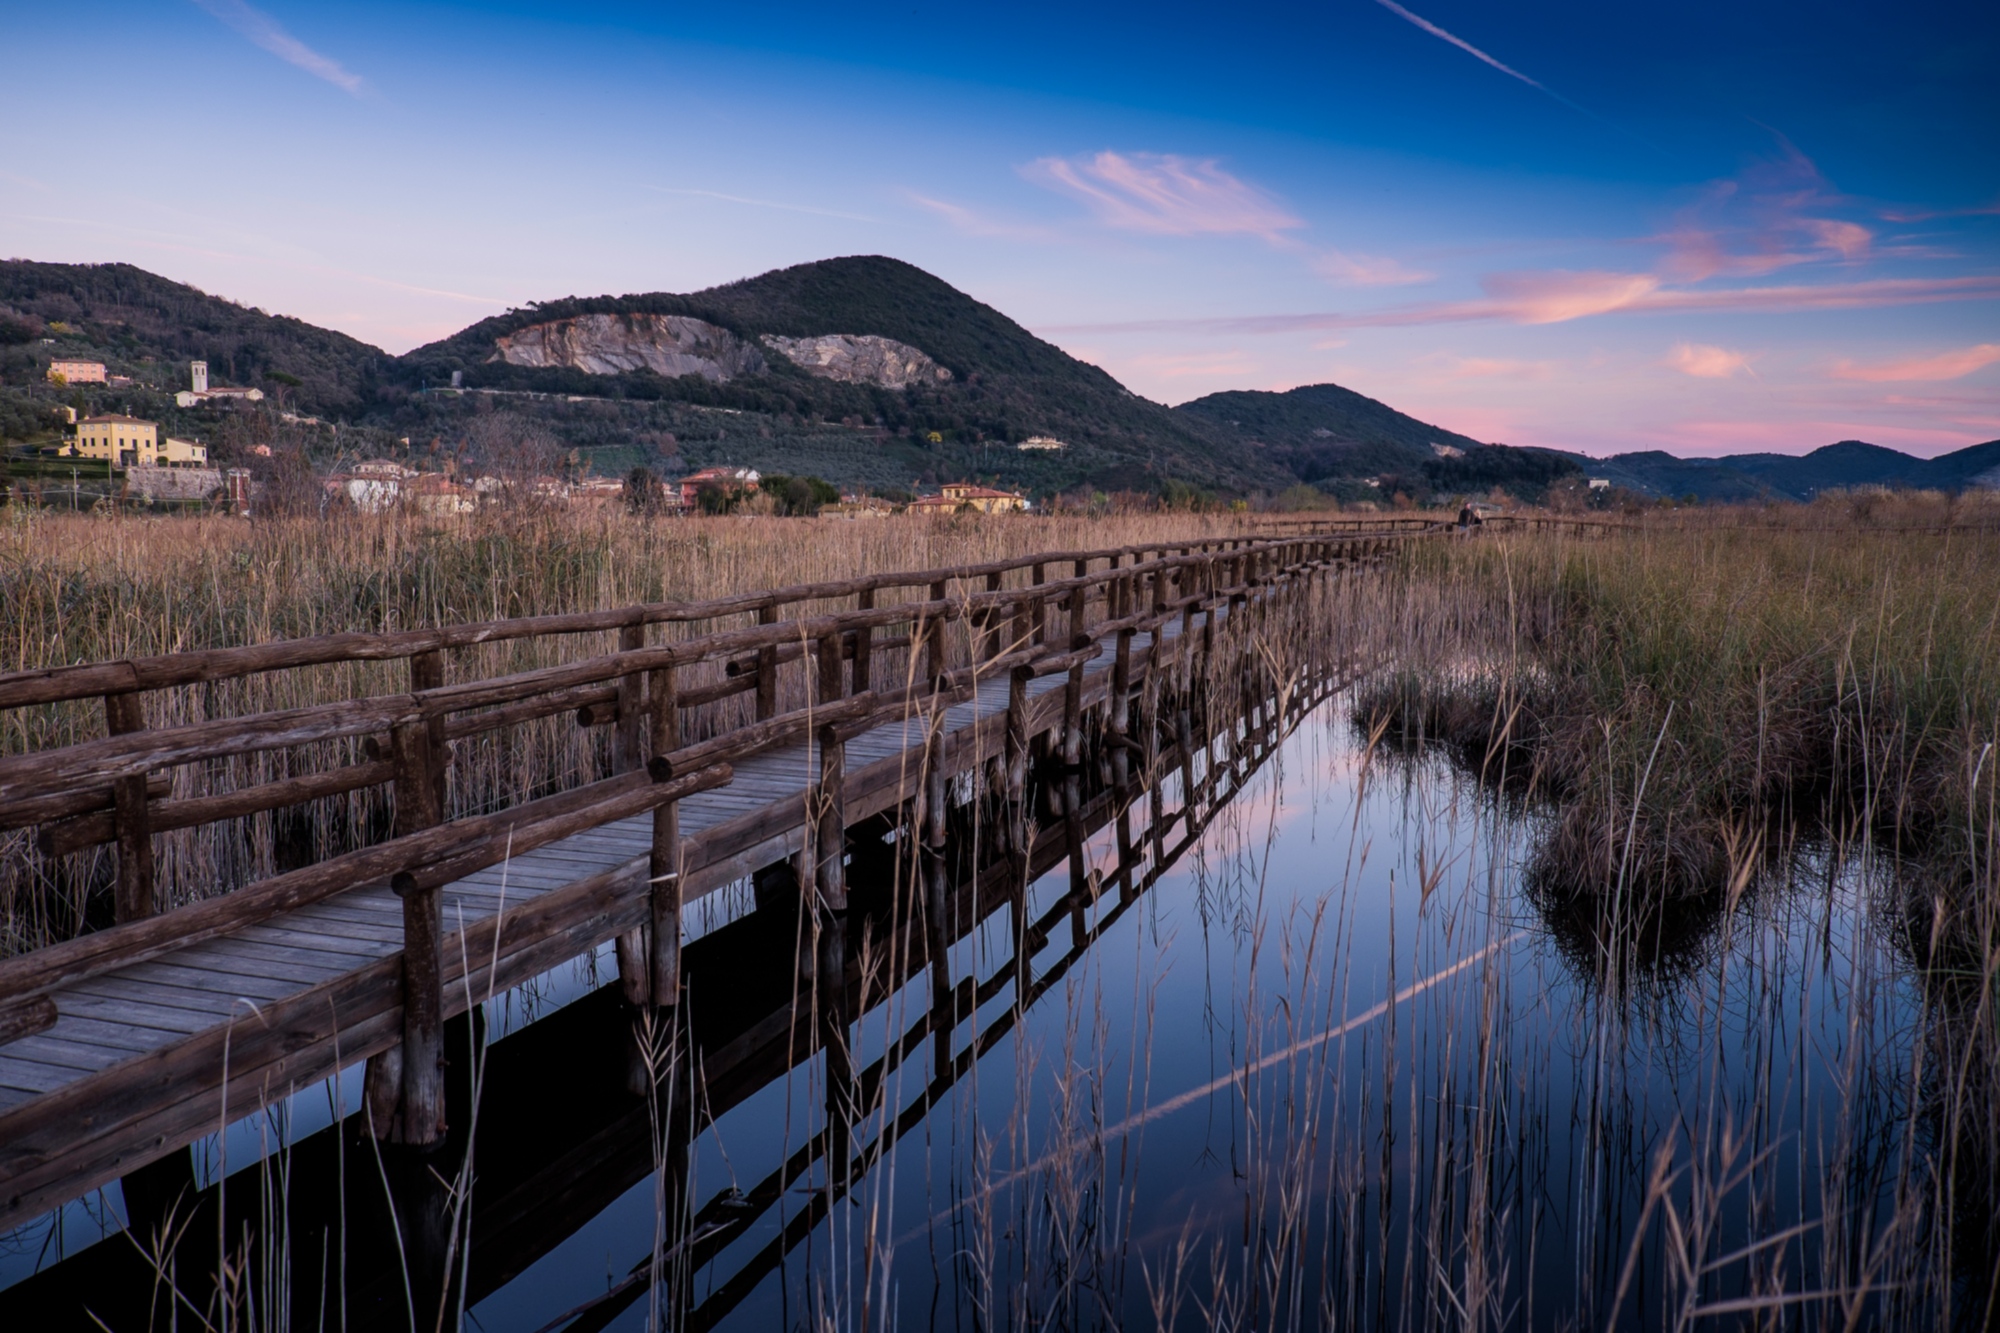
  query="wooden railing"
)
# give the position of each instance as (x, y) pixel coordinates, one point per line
(875, 660)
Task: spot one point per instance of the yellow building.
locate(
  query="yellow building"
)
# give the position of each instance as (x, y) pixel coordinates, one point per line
(65, 371)
(123, 441)
(183, 453)
(984, 498)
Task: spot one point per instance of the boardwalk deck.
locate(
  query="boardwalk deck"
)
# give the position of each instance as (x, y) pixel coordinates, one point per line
(288, 1001)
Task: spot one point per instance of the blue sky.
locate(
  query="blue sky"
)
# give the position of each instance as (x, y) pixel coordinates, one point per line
(1706, 227)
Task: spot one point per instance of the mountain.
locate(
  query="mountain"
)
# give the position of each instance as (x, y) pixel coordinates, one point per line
(866, 340)
(1322, 430)
(864, 370)
(136, 321)
(1842, 466)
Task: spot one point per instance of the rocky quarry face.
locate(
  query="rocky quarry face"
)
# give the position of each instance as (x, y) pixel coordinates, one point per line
(668, 345)
(860, 358)
(678, 345)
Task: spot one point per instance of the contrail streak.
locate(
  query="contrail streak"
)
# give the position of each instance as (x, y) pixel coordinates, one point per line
(1471, 50)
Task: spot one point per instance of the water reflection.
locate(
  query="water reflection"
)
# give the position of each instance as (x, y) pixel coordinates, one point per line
(1288, 1038)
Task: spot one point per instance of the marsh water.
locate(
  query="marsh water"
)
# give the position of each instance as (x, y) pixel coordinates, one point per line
(1288, 1040)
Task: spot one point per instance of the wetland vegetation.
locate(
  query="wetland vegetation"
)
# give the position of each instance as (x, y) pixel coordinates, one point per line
(1615, 951)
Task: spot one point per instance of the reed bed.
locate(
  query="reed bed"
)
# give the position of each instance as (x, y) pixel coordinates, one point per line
(83, 588)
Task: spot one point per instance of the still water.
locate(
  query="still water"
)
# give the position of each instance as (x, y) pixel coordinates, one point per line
(1286, 1041)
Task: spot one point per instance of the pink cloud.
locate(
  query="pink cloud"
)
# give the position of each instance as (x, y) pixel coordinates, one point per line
(1945, 366)
(1548, 298)
(1166, 194)
(1366, 270)
(1492, 367)
(1773, 215)
(1706, 362)
(1557, 296)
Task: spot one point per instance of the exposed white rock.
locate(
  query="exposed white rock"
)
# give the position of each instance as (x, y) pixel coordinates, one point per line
(860, 358)
(610, 344)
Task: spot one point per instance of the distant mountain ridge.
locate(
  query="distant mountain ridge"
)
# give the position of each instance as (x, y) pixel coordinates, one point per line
(865, 369)
(1841, 466)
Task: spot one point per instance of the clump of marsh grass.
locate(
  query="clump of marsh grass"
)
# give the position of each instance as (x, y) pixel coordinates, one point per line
(1676, 690)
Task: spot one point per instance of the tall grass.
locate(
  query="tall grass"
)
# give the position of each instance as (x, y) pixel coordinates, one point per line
(82, 588)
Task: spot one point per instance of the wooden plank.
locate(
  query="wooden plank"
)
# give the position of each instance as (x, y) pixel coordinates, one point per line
(206, 979)
(66, 1051)
(299, 934)
(163, 1016)
(119, 1035)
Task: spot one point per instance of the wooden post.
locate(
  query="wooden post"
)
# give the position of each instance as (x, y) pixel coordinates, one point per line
(930, 865)
(864, 644)
(937, 661)
(1040, 613)
(124, 714)
(767, 668)
(828, 652)
(423, 1013)
(990, 644)
(663, 873)
(830, 874)
(1079, 602)
(427, 673)
(625, 752)
(662, 974)
(1017, 734)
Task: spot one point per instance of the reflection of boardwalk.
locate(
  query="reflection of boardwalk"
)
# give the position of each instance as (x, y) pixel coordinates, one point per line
(116, 1044)
(561, 1136)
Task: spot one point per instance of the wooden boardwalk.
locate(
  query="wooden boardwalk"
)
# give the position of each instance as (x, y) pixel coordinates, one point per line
(562, 1135)
(124, 1058)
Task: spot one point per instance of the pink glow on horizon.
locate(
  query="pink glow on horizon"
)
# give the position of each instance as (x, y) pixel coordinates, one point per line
(1945, 366)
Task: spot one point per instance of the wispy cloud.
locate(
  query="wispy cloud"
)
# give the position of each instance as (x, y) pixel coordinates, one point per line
(1946, 366)
(268, 33)
(1707, 362)
(1165, 194)
(1773, 215)
(1557, 296)
(1496, 368)
(1548, 298)
(1366, 270)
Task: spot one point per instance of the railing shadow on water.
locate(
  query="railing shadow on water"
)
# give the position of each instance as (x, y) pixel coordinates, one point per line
(553, 1123)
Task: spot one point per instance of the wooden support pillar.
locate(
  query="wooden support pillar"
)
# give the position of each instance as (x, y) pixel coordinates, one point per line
(422, 1118)
(1017, 733)
(930, 865)
(767, 668)
(135, 899)
(663, 865)
(626, 754)
(427, 673)
(1079, 602)
(1040, 611)
(864, 644)
(939, 660)
(991, 637)
(830, 870)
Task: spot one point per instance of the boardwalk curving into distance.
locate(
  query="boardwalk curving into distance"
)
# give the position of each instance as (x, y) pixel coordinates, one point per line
(562, 1134)
(514, 805)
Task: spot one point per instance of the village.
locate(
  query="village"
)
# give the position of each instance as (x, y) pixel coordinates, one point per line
(146, 467)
